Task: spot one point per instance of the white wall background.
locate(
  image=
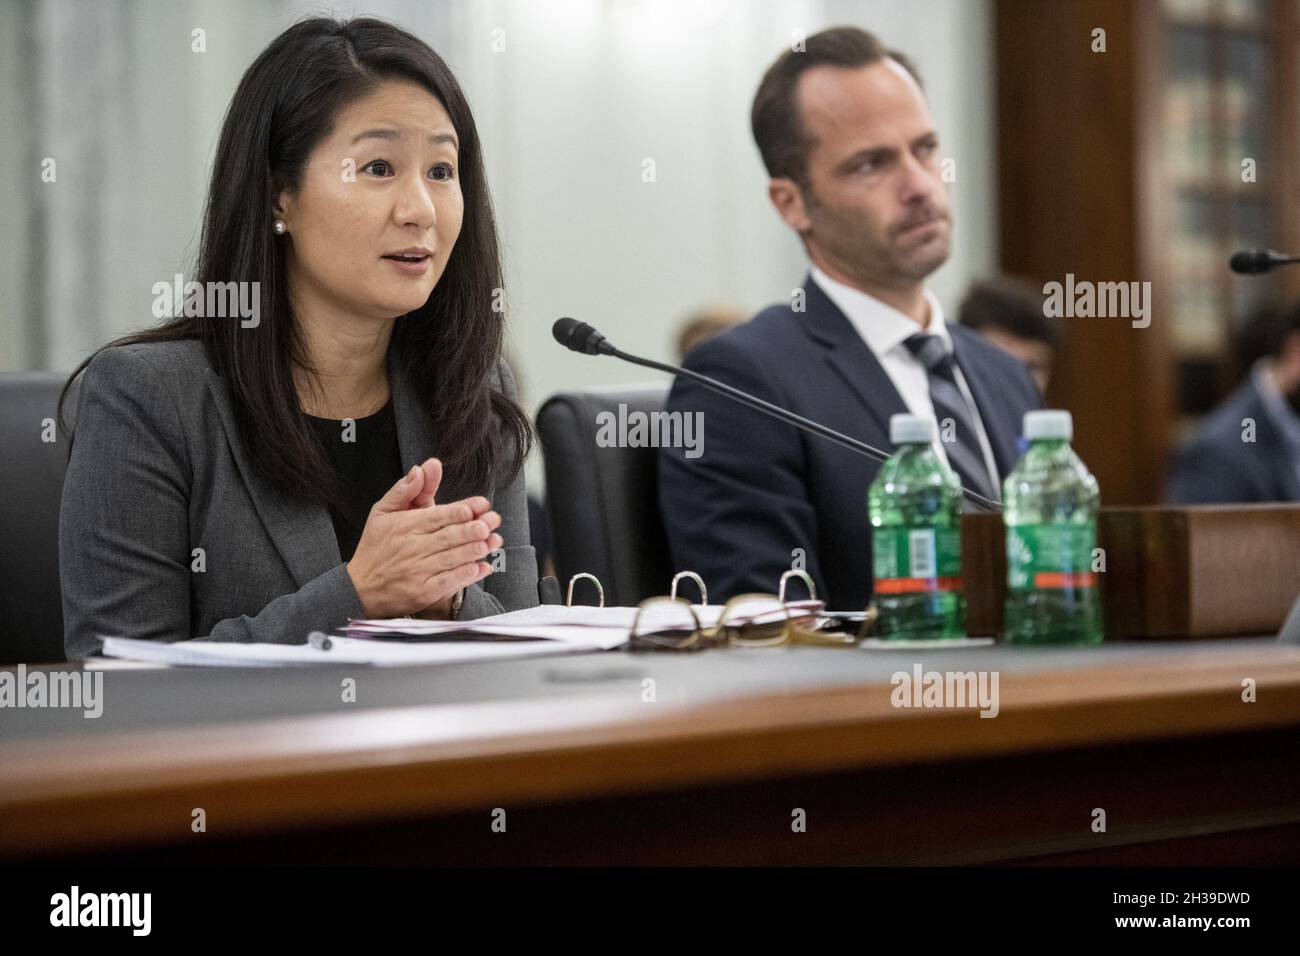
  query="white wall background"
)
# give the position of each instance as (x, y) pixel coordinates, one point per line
(583, 92)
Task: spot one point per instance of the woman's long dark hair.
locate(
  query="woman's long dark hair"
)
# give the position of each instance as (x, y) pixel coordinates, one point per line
(286, 103)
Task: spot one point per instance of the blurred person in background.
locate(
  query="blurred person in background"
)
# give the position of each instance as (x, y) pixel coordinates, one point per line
(705, 324)
(1009, 313)
(1248, 449)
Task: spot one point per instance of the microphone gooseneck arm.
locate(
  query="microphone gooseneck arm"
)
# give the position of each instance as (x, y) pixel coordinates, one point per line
(581, 337)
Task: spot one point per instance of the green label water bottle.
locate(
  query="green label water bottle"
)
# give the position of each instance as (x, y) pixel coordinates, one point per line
(1050, 505)
(915, 510)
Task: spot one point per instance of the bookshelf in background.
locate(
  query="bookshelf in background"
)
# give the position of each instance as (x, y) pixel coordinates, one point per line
(1127, 165)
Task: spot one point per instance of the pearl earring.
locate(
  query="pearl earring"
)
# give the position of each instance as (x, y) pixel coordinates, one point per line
(279, 227)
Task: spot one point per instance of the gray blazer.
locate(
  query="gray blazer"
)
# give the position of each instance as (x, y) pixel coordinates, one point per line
(158, 469)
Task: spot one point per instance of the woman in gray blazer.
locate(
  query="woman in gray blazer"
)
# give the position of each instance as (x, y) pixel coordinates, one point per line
(323, 428)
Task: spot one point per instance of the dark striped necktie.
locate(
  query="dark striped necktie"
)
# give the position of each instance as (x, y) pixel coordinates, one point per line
(964, 453)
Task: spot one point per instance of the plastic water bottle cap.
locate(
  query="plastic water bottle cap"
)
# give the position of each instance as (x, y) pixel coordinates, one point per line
(1054, 424)
(911, 429)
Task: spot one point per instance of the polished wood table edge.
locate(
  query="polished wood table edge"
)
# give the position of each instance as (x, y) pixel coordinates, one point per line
(389, 763)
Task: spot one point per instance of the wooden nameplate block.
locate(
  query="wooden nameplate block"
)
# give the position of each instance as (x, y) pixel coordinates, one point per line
(1170, 571)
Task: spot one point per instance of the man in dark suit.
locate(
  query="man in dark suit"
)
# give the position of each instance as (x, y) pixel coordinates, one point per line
(849, 143)
(1248, 449)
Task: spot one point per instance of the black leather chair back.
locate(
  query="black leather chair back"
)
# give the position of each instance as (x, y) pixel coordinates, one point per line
(604, 501)
(31, 489)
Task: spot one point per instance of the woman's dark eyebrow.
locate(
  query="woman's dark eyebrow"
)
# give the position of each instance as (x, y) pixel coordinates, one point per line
(397, 134)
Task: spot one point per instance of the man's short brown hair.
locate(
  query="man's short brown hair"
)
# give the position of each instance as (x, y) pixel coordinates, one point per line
(778, 128)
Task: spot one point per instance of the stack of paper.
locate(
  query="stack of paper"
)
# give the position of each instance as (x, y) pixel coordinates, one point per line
(586, 624)
(548, 629)
(342, 650)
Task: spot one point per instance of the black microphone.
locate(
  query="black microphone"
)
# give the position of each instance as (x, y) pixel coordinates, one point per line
(1249, 262)
(581, 337)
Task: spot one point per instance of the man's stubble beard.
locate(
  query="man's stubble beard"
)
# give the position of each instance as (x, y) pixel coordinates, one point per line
(858, 258)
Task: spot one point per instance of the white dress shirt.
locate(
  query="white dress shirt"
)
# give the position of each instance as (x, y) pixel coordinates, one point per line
(885, 329)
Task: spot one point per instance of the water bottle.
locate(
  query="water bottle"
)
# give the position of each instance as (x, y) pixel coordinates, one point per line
(1050, 505)
(915, 510)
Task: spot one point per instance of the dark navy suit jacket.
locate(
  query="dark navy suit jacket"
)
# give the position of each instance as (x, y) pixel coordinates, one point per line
(1218, 467)
(764, 496)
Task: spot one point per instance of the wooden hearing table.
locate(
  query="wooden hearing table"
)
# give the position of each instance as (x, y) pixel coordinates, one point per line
(791, 755)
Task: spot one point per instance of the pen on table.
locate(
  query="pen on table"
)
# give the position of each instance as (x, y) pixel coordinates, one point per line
(319, 641)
